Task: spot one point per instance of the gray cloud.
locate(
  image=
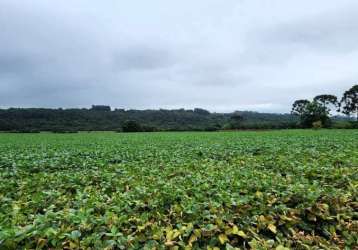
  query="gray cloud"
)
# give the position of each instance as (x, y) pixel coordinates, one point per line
(142, 58)
(256, 54)
(333, 31)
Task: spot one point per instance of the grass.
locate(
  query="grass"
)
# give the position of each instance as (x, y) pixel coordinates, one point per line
(289, 189)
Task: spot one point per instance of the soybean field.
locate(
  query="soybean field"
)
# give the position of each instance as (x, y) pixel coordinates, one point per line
(289, 189)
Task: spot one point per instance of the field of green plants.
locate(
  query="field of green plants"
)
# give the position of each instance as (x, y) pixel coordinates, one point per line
(279, 190)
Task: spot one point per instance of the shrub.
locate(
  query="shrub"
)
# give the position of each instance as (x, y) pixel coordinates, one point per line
(342, 125)
(131, 126)
(147, 128)
(317, 125)
(354, 124)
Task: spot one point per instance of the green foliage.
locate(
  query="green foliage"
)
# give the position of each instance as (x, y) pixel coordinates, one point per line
(319, 109)
(131, 126)
(236, 121)
(349, 102)
(327, 101)
(311, 113)
(224, 190)
(299, 107)
(102, 119)
(317, 125)
(201, 111)
(345, 125)
(315, 112)
(341, 125)
(101, 108)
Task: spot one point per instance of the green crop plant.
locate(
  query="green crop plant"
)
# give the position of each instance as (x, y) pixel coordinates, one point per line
(291, 189)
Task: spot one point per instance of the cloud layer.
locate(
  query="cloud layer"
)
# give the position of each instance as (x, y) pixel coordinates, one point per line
(220, 55)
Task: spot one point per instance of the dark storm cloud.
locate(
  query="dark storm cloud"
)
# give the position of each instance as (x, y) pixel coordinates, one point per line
(256, 54)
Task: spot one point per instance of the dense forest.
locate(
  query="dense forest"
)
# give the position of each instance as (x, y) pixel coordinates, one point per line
(102, 118)
(305, 114)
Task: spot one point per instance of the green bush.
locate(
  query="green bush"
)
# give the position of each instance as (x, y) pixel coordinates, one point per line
(131, 126)
(345, 125)
(317, 125)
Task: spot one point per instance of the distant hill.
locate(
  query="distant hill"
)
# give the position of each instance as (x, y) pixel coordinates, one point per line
(102, 118)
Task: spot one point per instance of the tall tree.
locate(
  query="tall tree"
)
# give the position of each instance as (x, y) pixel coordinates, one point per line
(313, 113)
(299, 107)
(326, 101)
(349, 102)
(310, 112)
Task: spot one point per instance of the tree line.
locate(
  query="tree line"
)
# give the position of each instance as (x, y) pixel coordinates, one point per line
(103, 118)
(317, 113)
(305, 114)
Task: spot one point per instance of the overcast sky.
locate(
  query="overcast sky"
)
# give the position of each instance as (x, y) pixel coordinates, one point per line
(222, 55)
